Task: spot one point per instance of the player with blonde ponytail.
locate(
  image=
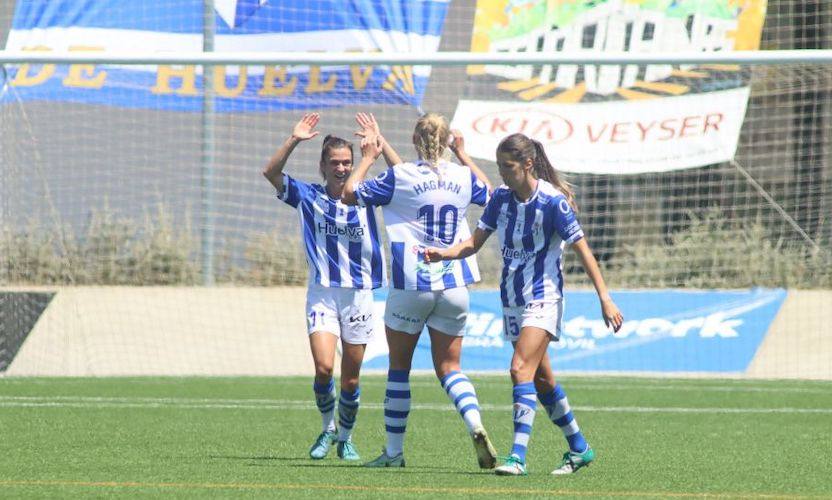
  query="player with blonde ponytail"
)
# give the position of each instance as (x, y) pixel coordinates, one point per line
(424, 204)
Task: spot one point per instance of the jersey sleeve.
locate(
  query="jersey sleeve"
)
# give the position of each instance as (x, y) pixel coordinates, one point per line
(479, 191)
(293, 190)
(566, 222)
(378, 191)
(488, 220)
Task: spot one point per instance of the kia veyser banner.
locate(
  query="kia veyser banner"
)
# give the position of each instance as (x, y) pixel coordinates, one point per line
(611, 119)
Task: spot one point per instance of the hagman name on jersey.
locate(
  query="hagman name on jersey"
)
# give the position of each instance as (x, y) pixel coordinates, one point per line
(437, 184)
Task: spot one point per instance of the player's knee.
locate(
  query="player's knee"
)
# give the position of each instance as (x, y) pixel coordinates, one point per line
(349, 384)
(518, 368)
(323, 371)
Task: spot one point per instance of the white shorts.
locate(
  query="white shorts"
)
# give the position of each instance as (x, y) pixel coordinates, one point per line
(343, 312)
(444, 310)
(544, 314)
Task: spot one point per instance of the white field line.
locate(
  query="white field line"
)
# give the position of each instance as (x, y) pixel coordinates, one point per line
(647, 387)
(491, 381)
(279, 404)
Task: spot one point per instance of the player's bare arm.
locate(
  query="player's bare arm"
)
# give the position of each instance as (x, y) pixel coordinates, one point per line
(368, 125)
(371, 148)
(303, 130)
(612, 316)
(461, 250)
(458, 147)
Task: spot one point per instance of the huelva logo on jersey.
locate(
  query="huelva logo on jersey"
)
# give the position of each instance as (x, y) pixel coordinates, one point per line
(517, 253)
(353, 233)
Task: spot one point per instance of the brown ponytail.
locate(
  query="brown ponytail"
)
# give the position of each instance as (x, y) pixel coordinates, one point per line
(521, 148)
(543, 169)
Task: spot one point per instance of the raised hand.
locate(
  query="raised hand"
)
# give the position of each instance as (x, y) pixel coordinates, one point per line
(457, 144)
(368, 124)
(372, 145)
(305, 128)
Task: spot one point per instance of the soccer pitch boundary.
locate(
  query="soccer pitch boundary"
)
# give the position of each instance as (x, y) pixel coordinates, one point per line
(98, 402)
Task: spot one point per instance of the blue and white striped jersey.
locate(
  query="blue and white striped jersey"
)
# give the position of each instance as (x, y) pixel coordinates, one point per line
(532, 238)
(341, 242)
(425, 209)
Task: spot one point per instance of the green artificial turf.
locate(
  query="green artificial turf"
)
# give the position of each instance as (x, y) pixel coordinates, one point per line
(249, 437)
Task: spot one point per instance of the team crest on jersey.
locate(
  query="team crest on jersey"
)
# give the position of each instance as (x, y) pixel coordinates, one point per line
(536, 227)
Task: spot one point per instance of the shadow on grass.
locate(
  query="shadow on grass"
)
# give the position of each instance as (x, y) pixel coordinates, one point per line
(261, 457)
(410, 469)
(306, 463)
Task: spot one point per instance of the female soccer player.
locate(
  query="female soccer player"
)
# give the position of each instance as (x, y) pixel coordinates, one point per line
(424, 203)
(534, 217)
(345, 264)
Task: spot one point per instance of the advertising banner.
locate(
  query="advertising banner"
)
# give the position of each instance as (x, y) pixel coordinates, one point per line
(611, 119)
(664, 331)
(241, 25)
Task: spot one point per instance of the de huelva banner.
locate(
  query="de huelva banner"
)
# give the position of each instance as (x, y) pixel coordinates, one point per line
(176, 25)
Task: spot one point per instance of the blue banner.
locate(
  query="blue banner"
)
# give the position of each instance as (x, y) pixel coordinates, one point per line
(664, 331)
(241, 25)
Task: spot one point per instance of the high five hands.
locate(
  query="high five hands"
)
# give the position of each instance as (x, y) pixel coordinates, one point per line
(305, 128)
(371, 145)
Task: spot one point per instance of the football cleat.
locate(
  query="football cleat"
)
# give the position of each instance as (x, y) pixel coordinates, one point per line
(486, 454)
(384, 460)
(573, 461)
(513, 466)
(346, 450)
(322, 445)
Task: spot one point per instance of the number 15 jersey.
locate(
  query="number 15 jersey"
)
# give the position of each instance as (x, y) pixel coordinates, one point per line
(424, 207)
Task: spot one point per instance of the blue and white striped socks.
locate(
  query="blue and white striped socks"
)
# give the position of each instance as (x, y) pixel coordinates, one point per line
(525, 402)
(325, 399)
(347, 411)
(462, 394)
(557, 406)
(396, 410)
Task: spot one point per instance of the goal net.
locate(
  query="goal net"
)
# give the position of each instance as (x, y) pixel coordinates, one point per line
(138, 235)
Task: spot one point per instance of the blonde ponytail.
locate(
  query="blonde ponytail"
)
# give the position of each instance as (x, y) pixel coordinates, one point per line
(430, 137)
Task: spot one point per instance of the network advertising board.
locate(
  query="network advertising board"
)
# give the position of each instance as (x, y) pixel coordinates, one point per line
(664, 331)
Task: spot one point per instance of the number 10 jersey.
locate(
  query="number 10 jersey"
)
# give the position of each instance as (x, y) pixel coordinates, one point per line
(424, 207)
